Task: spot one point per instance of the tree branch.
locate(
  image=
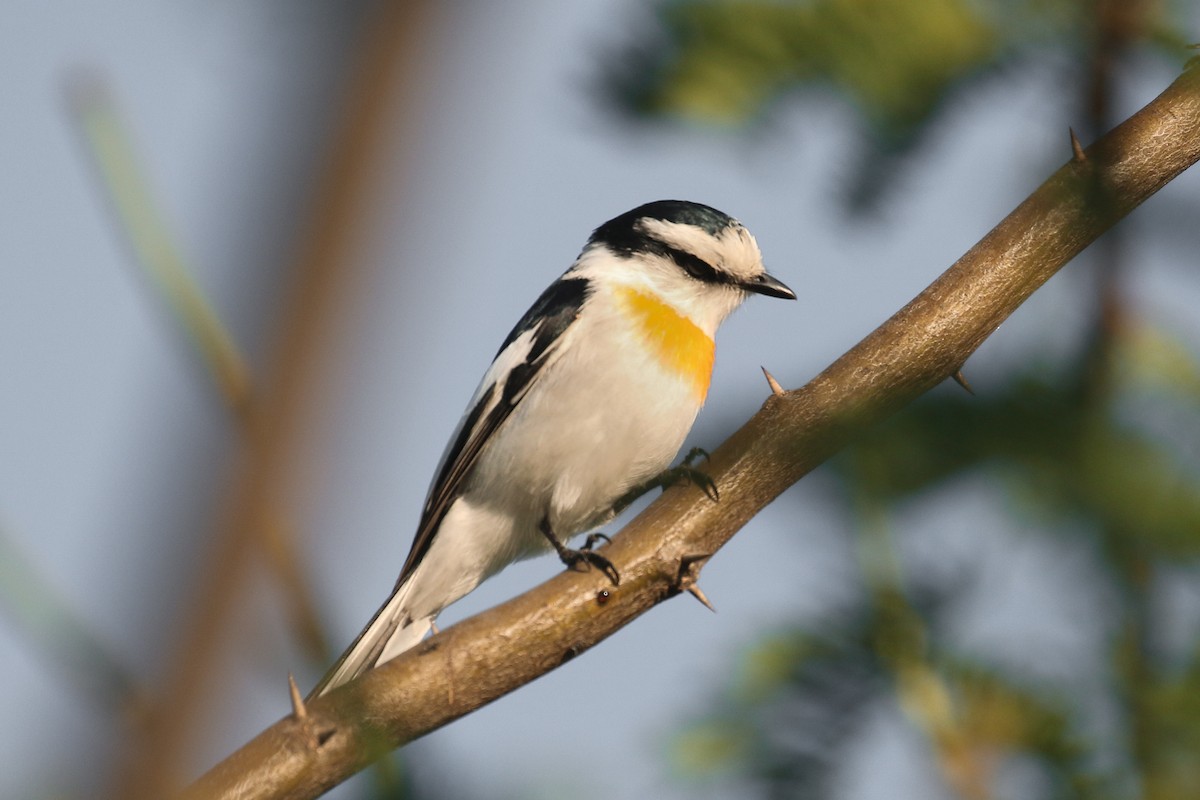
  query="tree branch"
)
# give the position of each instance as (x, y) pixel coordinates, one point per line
(472, 663)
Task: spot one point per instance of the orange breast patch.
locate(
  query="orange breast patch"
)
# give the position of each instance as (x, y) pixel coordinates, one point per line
(681, 347)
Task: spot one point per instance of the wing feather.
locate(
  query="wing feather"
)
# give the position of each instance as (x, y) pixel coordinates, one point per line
(531, 345)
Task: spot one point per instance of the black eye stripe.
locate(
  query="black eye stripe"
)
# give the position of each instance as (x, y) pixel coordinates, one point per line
(692, 264)
(695, 266)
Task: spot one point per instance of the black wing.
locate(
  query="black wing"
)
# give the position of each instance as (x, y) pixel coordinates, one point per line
(530, 346)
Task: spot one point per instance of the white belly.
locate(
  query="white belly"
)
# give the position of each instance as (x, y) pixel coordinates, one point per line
(568, 461)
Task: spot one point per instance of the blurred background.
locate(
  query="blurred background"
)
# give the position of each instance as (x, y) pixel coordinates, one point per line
(256, 256)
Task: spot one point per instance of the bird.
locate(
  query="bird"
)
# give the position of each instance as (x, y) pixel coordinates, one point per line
(591, 394)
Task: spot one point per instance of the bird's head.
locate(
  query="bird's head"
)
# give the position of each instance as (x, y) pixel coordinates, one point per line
(699, 260)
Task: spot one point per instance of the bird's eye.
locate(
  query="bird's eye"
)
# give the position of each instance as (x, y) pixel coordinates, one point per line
(695, 266)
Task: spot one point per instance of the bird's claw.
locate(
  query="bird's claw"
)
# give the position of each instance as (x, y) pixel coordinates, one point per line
(585, 555)
(590, 558)
(696, 477)
(592, 538)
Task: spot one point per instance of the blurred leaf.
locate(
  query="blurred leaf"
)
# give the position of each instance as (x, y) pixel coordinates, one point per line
(898, 64)
(711, 747)
(62, 634)
(1134, 488)
(948, 432)
(1151, 357)
(1174, 707)
(726, 61)
(1058, 455)
(153, 245)
(998, 713)
(800, 697)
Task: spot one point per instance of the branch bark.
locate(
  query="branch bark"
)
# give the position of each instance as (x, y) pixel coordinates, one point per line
(661, 551)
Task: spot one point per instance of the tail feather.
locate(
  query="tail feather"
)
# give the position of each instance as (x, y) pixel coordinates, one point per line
(390, 632)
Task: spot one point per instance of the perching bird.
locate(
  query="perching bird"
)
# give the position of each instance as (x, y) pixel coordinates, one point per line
(591, 394)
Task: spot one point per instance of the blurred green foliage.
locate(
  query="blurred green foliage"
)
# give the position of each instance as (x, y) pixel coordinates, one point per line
(1102, 446)
(728, 61)
(1080, 466)
(898, 65)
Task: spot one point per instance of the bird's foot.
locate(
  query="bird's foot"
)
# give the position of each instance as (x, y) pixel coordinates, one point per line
(589, 558)
(585, 557)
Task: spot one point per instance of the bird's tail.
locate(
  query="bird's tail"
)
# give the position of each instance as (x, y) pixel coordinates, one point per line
(390, 632)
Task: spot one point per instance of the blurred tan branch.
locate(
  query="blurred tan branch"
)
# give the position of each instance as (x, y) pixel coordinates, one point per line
(274, 421)
(494, 653)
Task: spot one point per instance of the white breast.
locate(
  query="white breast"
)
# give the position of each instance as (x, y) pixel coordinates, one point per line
(604, 417)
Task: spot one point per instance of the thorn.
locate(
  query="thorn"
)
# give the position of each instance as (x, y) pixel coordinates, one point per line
(1077, 154)
(298, 709)
(695, 592)
(689, 568)
(961, 380)
(776, 389)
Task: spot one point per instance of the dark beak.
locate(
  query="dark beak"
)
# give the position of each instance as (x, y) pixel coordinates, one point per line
(770, 286)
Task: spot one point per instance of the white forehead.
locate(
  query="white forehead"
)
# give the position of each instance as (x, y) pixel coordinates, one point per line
(732, 250)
